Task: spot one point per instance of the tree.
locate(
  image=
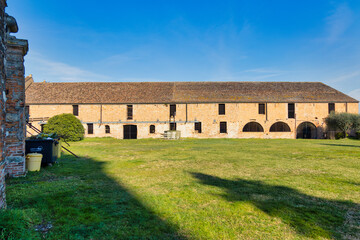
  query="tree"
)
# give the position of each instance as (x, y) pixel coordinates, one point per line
(66, 126)
(343, 122)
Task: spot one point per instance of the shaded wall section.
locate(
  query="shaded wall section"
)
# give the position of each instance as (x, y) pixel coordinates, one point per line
(2, 103)
(15, 107)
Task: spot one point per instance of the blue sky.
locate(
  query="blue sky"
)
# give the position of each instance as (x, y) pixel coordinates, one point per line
(181, 40)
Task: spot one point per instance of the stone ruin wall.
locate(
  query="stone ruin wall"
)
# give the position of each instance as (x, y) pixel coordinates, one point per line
(12, 101)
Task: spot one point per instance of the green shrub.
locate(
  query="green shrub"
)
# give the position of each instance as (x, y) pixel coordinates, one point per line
(66, 126)
(340, 135)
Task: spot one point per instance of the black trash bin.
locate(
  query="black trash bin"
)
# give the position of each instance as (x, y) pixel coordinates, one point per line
(47, 147)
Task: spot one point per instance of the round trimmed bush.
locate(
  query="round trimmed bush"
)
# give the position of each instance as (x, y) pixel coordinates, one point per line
(66, 126)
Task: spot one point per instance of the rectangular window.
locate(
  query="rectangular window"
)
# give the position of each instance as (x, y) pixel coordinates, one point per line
(90, 128)
(129, 112)
(223, 128)
(261, 108)
(75, 110)
(221, 109)
(152, 128)
(172, 110)
(198, 127)
(291, 110)
(27, 110)
(331, 107)
(173, 126)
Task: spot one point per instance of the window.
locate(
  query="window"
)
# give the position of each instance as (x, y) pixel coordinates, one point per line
(223, 128)
(280, 127)
(42, 127)
(152, 128)
(129, 112)
(253, 127)
(90, 127)
(221, 109)
(75, 110)
(173, 126)
(261, 108)
(172, 110)
(27, 110)
(291, 110)
(198, 127)
(107, 129)
(331, 107)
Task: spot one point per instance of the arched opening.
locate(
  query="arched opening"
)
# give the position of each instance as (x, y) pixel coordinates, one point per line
(306, 130)
(130, 132)
(152, 128)
(280, 127)
(253, 127)
(107, 129)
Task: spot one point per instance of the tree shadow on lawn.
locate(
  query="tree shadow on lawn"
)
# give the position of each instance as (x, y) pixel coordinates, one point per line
(310, 216)
(81, 201)
(340, 145)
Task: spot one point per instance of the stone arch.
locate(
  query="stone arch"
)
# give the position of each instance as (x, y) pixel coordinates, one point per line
(280, 127)
(253, 127)
(306, 130)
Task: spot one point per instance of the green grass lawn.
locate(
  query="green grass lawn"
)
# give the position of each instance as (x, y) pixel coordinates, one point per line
(191, 189)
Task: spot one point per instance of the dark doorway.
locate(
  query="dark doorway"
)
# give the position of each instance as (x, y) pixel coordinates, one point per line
(130, 132)
(307, 130)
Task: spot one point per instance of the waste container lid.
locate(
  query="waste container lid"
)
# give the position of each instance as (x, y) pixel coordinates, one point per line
(34, 154)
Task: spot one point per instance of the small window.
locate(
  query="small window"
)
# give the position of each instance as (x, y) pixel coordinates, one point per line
(223, 127)
(221, 109)
(198, 127)
(173, 126)
(172, 110)
(129, 112)
(152, 128)
(75, 110)
(90, 127)
(331, 107)
(107, 129)
(261, 108)
(291, 110)
(27, 110)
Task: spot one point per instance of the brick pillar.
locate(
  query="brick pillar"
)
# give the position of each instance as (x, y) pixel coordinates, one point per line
(2, 103)
(15, 107)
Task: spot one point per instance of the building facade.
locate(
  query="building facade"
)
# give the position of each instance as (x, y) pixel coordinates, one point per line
(196, 109)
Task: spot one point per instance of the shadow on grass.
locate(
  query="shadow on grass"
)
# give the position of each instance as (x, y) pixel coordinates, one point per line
(75, 199)
(340, 145)
(310, 216)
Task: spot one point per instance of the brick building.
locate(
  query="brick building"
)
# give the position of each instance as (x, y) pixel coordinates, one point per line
(12, 101)
(197, 109)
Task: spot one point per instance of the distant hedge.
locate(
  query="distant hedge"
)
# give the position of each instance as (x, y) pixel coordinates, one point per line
(66, 126)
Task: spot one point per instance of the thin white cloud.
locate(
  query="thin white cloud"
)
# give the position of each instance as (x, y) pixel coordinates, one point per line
(338, 22)
(53, 71)
(345, 77)
(355, 94)
(255, 74)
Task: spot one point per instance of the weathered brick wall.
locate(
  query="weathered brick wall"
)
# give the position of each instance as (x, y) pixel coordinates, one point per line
(15, 107)
(2, 103)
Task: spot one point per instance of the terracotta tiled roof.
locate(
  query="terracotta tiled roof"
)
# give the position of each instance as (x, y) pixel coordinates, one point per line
(182, 92)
